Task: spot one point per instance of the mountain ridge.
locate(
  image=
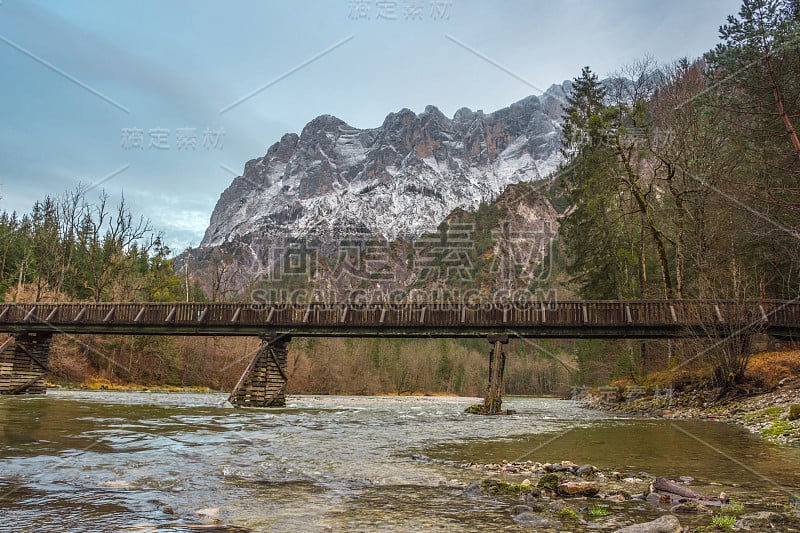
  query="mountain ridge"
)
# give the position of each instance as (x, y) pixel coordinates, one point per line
(398, 180)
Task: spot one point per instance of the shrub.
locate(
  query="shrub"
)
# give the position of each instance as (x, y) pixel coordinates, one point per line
(723, 521)
(733, 508)
(597, 511)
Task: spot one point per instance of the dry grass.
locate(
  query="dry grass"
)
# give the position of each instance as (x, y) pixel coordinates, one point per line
(768, 369)
(680, 380)
(764, 372)
(100, 383)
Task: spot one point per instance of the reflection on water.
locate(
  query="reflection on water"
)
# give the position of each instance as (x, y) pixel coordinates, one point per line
(74, 461)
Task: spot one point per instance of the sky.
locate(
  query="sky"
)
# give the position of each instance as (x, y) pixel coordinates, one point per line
(164, 102)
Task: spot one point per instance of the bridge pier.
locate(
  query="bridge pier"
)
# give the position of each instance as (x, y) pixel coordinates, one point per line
(23, 363)
(497, 362)
(263, 383)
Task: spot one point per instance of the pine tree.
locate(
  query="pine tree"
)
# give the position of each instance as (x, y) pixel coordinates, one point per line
(592, 231)
(758, 61)
(755, 76)
(584, 101)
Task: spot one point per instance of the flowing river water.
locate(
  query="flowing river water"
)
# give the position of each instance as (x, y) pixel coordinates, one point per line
(111, 461)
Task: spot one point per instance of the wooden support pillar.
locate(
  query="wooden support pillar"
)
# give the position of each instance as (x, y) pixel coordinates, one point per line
(23, 363)
(493, 402)
(263, 383)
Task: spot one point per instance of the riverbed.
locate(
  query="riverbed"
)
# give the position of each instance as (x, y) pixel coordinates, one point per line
(141, 461)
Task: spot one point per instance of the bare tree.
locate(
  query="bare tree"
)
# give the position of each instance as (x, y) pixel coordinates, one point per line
(105, 237)
(226, 276)
(632, 88)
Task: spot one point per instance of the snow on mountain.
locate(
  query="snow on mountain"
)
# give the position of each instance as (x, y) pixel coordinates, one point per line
(398, 180)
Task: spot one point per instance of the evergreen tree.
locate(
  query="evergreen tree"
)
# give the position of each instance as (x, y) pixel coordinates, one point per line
(755, 74)
(757, 64)
(592, 230)
(585, 104)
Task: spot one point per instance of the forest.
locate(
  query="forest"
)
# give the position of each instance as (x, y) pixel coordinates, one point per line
(680, 181)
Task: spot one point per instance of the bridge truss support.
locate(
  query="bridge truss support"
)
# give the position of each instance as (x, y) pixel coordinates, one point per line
(263, 383)
(23, 363)
(493, 402)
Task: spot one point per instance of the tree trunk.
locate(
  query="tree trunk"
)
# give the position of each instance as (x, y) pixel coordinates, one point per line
(787, 122)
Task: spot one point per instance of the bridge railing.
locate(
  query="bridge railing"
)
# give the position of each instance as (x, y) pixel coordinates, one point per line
(679, 313)
(782, 313)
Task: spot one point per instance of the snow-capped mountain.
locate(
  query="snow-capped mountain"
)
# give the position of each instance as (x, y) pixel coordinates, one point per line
(398, 180)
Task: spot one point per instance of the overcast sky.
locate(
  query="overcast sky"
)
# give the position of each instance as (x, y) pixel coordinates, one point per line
(161, 100)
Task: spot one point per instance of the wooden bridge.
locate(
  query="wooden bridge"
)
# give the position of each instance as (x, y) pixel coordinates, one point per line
(22, 369)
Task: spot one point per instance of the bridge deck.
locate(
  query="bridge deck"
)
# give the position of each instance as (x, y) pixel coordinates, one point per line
(597, 319)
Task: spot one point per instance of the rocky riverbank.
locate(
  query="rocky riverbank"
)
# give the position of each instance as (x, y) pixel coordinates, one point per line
(773, 415)
(567, 496)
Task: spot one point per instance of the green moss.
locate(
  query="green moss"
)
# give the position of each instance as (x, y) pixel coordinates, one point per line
(733, 508)
(568, 513)
(549, 481)
(777, 429)
(597, 511)
(794, 501)
(770, 413)
(794, 412)
(502, 488)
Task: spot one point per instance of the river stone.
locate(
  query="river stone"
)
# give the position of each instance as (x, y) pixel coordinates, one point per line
(564, 465)
(474, 489)
(534, 520)
(762, 520)
(519, 509)
(585, 471)
(664, 524)
(532, 493)
(578, 488)
(535, 505)
(210, 515)
(615, 498)
(690, 506)
(557, 505)
(211, 512)
(658, 499)
(549, 481)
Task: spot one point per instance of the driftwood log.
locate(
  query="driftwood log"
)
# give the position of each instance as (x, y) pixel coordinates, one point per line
(679, 491)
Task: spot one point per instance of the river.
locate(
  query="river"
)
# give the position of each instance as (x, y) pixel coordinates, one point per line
(141, 461)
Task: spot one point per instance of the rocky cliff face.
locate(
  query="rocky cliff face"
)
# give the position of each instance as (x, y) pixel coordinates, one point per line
(399, 180)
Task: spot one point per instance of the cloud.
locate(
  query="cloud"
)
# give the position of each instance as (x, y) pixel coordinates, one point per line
(175, 64)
